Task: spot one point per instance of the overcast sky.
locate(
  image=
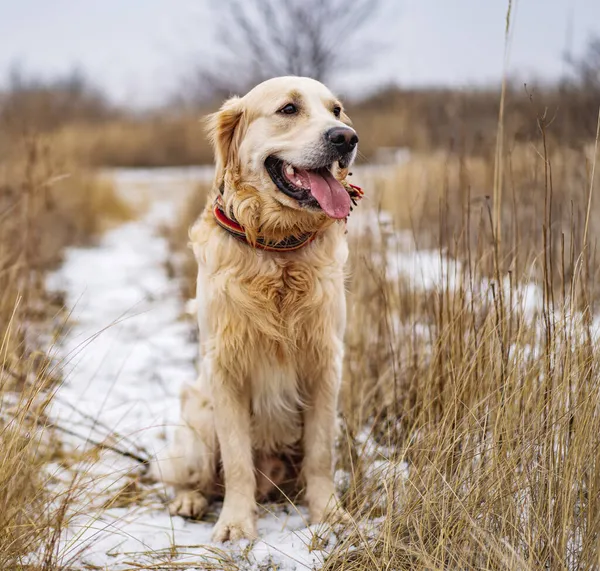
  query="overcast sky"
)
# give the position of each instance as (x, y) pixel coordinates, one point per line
(139, 50)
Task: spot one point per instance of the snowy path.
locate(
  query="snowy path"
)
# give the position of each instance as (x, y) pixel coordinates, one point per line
(126, 353)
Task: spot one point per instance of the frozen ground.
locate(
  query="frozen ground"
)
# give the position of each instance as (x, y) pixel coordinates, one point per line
(126, 354)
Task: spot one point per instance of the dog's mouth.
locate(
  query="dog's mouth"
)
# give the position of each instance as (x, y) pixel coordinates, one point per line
(312, 188)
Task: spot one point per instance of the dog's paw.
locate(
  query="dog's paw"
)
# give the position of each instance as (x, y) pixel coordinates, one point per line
(189, 504)
(234, 527)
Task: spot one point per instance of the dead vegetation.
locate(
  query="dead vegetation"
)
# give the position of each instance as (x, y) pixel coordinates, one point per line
(445, 199)
(462, 122)
(46, 204)
(481, 389)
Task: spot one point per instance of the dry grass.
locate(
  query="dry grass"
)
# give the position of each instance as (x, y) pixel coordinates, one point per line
(465, 121)
(433, 195)
(46, 204)
(425, 120)
(491, 409)
(162, 140)
(484, 404)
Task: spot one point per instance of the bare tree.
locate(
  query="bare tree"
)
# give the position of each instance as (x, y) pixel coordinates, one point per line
(258, 39)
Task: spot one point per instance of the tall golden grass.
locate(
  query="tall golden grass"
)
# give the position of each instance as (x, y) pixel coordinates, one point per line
(46, 204)
(433, 194)
(163, 140)
(484, 403)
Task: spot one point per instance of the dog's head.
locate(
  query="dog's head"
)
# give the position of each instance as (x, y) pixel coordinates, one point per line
(281, 152)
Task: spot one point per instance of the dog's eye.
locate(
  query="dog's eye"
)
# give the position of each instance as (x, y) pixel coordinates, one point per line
(289, 109)
(337, 111)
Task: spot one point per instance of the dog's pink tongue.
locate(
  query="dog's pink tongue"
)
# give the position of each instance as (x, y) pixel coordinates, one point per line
(330, 194)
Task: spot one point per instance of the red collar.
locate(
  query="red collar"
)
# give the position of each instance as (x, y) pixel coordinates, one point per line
(232, 226)
(288, 244)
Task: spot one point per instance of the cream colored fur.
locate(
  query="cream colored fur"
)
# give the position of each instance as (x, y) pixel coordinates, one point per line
(271, 325)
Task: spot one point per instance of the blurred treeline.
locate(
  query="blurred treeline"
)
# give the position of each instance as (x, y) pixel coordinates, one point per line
(88, 126)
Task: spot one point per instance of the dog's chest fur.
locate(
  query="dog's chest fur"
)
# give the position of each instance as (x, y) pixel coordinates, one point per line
(269, 321)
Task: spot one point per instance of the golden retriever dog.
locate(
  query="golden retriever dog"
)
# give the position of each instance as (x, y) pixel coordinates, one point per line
(271, 250)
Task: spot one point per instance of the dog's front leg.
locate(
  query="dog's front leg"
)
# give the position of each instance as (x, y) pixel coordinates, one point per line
(319, 441)
(233, 425)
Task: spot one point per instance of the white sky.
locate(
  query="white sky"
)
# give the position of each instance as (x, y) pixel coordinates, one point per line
(139, 50)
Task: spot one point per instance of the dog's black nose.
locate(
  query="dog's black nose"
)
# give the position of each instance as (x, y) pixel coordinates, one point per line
(343, 138)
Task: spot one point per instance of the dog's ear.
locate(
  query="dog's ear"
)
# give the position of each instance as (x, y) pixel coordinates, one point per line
(223, 128)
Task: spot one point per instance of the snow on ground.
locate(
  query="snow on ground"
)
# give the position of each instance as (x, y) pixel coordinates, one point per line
(126, 354)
